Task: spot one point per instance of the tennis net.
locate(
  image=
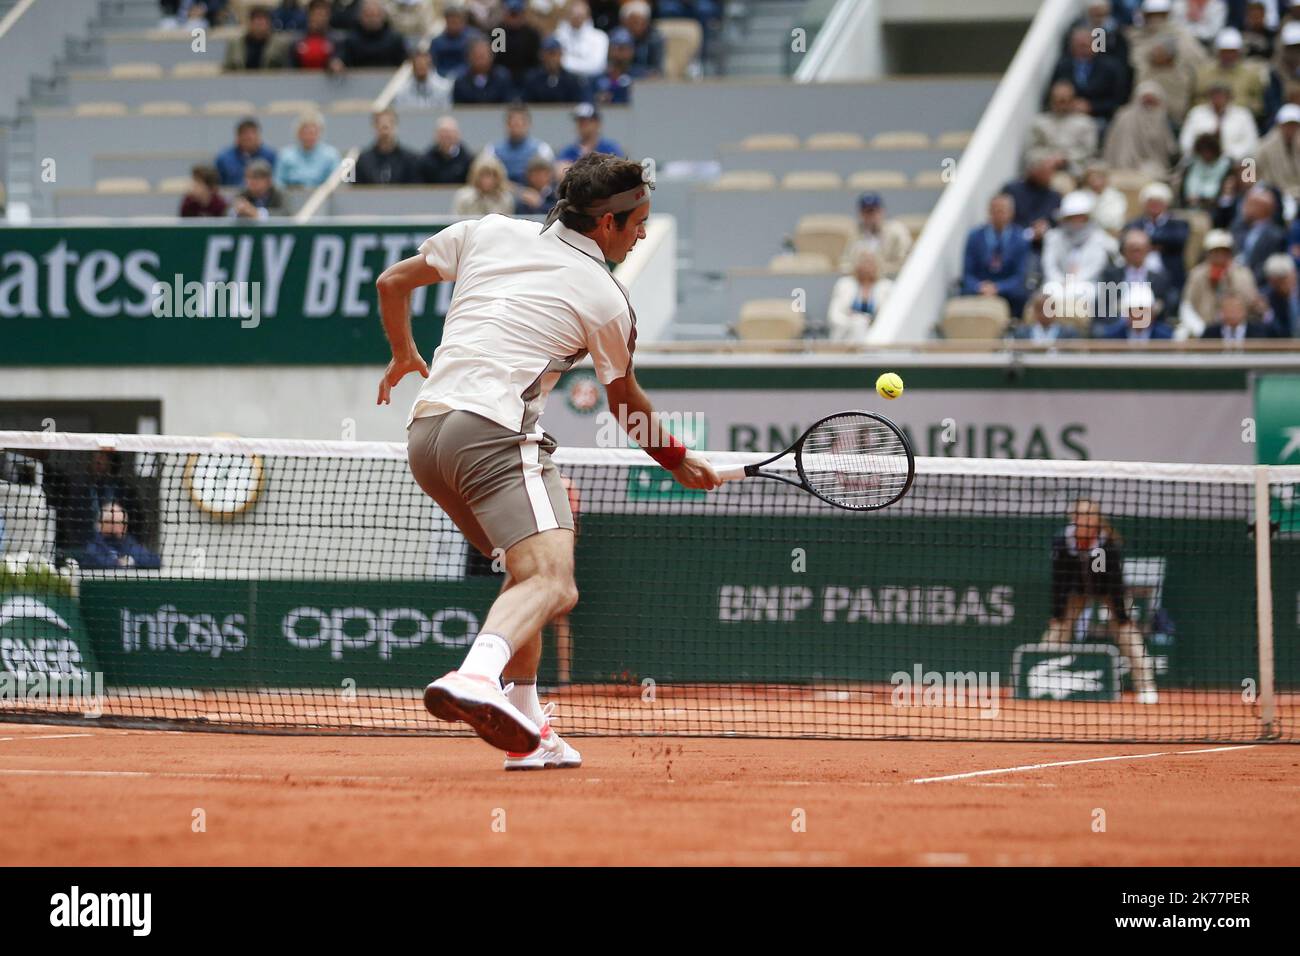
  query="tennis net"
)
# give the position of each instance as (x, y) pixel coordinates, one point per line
(311, 587)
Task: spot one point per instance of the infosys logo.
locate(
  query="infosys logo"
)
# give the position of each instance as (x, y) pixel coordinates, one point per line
(388, 630)
(168, 629)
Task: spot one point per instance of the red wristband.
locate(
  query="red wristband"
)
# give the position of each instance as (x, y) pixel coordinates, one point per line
(670, 454)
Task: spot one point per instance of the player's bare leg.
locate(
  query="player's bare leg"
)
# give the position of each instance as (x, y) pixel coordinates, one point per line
(520, 678)
(540, 586)
(1134, 648)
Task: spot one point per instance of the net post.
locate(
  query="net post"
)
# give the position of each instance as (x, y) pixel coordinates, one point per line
(1264, 600)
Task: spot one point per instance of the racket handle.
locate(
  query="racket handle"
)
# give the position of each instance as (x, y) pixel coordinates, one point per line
(734, 473)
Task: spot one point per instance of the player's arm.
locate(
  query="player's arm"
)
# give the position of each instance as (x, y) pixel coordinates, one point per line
(395, 286)
(637, 416)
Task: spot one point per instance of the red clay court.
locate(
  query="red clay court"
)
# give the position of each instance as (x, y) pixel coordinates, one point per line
(101, 796)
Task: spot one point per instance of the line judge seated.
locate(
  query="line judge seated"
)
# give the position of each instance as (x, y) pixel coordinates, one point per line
(112, 547)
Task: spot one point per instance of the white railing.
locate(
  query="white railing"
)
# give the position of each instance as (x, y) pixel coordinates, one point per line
(991, 159)
(650, 275)
(849, 45)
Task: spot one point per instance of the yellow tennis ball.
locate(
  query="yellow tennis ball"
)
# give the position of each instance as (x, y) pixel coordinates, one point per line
(889, 385)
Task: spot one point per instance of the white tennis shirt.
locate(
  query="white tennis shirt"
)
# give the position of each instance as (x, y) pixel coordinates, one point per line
(527, 306)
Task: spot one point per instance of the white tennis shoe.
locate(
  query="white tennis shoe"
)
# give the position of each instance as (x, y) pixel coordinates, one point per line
(551, 753)
(480, 702)
(1148, 696)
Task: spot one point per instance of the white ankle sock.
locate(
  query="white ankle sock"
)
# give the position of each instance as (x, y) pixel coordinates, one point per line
(524, 696)
(488, 657)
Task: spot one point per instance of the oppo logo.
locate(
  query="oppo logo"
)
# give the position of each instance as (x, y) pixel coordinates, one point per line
(390, 629)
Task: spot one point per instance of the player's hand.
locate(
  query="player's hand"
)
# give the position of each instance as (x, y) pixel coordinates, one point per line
(696, 472)
(396, 371)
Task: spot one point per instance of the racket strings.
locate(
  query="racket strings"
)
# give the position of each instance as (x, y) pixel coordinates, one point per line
(856, 461)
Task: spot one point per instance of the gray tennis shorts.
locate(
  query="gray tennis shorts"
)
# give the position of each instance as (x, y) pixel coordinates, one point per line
(497, 485)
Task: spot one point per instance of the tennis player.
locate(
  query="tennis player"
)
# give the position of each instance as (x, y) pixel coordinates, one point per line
(529, 303)
(1078, 580)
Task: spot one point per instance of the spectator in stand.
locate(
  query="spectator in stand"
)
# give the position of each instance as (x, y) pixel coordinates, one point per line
(386, 162)
(1109, 204)
(248, 146)
(1230, 323)
(537, 196)
(1279, 152)
(1135, 269)
(1217, 276)
(451, 46)
(1255, 235)
(372, 43)
(448, 159)
(290, 16)
(586, 117)
(308, 162)
(1098, 80)
(1160, 64)
(889, 239)
(214, 13)
(1141, 137)
(1064, 129)
(1202, 177)
(1256, 36)
(487, 192)
(1098, 20)
(316, 48)
(482, 81)
(1234, 124)
(1076, 252)
(425, 90)
(413, 19)
(648, 56)
(111, 547)
(997, 256)
(1168, 235)
(1137, 321)
(1247, 80)
(1227, 208)
(586, 49)
(856, 299)
(615, 84)
(604, 13)
(521, 44)
(1204, 19)
(259, 198)
(260, 47)
(1281, 297)
(551, 82)
(1043, 325)
(519, 146)
(1156, 26)
(204, 198)
(1035, 200)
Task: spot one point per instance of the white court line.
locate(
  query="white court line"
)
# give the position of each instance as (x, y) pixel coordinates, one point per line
(195, 775)
(1073, 763)
(46, 736)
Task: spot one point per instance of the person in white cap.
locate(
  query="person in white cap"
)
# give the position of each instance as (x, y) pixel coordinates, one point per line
(1233, 122)
(1286, 58)
(1247, 78)
(1157, 24)
(1077, 251)
(1202, 18)
(1137, 317)
(1168, 235)
(1279, 153)
(1217, 276)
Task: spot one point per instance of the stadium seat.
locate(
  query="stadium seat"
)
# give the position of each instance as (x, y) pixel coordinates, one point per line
(931, 179)
(811, 179)
(769, 320)
(123, 185)
(229, 108)
(174, 185)
(100, 108)
(1130, 183)
(827, 235)
(800, 262)
(289, 107)
(878, 179)
(914, 222)
(1062, 182)
(165, 108)
(770, 141)
(196, 68)
(1199, 223)
(354, 104)
(682, 38)
(954, 139)
(835, 141)
(136, 71)
(745, 179)
(975, 317)
(900, 139)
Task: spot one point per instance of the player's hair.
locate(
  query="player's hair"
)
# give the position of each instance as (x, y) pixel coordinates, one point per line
(1103, 523)
(594, 177)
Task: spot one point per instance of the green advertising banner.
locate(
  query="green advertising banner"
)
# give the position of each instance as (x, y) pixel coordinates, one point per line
(43, 634)
(228, 293)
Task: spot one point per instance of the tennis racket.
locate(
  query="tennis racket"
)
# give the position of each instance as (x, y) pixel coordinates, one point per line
(858, 461)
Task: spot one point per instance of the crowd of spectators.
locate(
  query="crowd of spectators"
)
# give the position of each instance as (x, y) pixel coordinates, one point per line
(1195, 107)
